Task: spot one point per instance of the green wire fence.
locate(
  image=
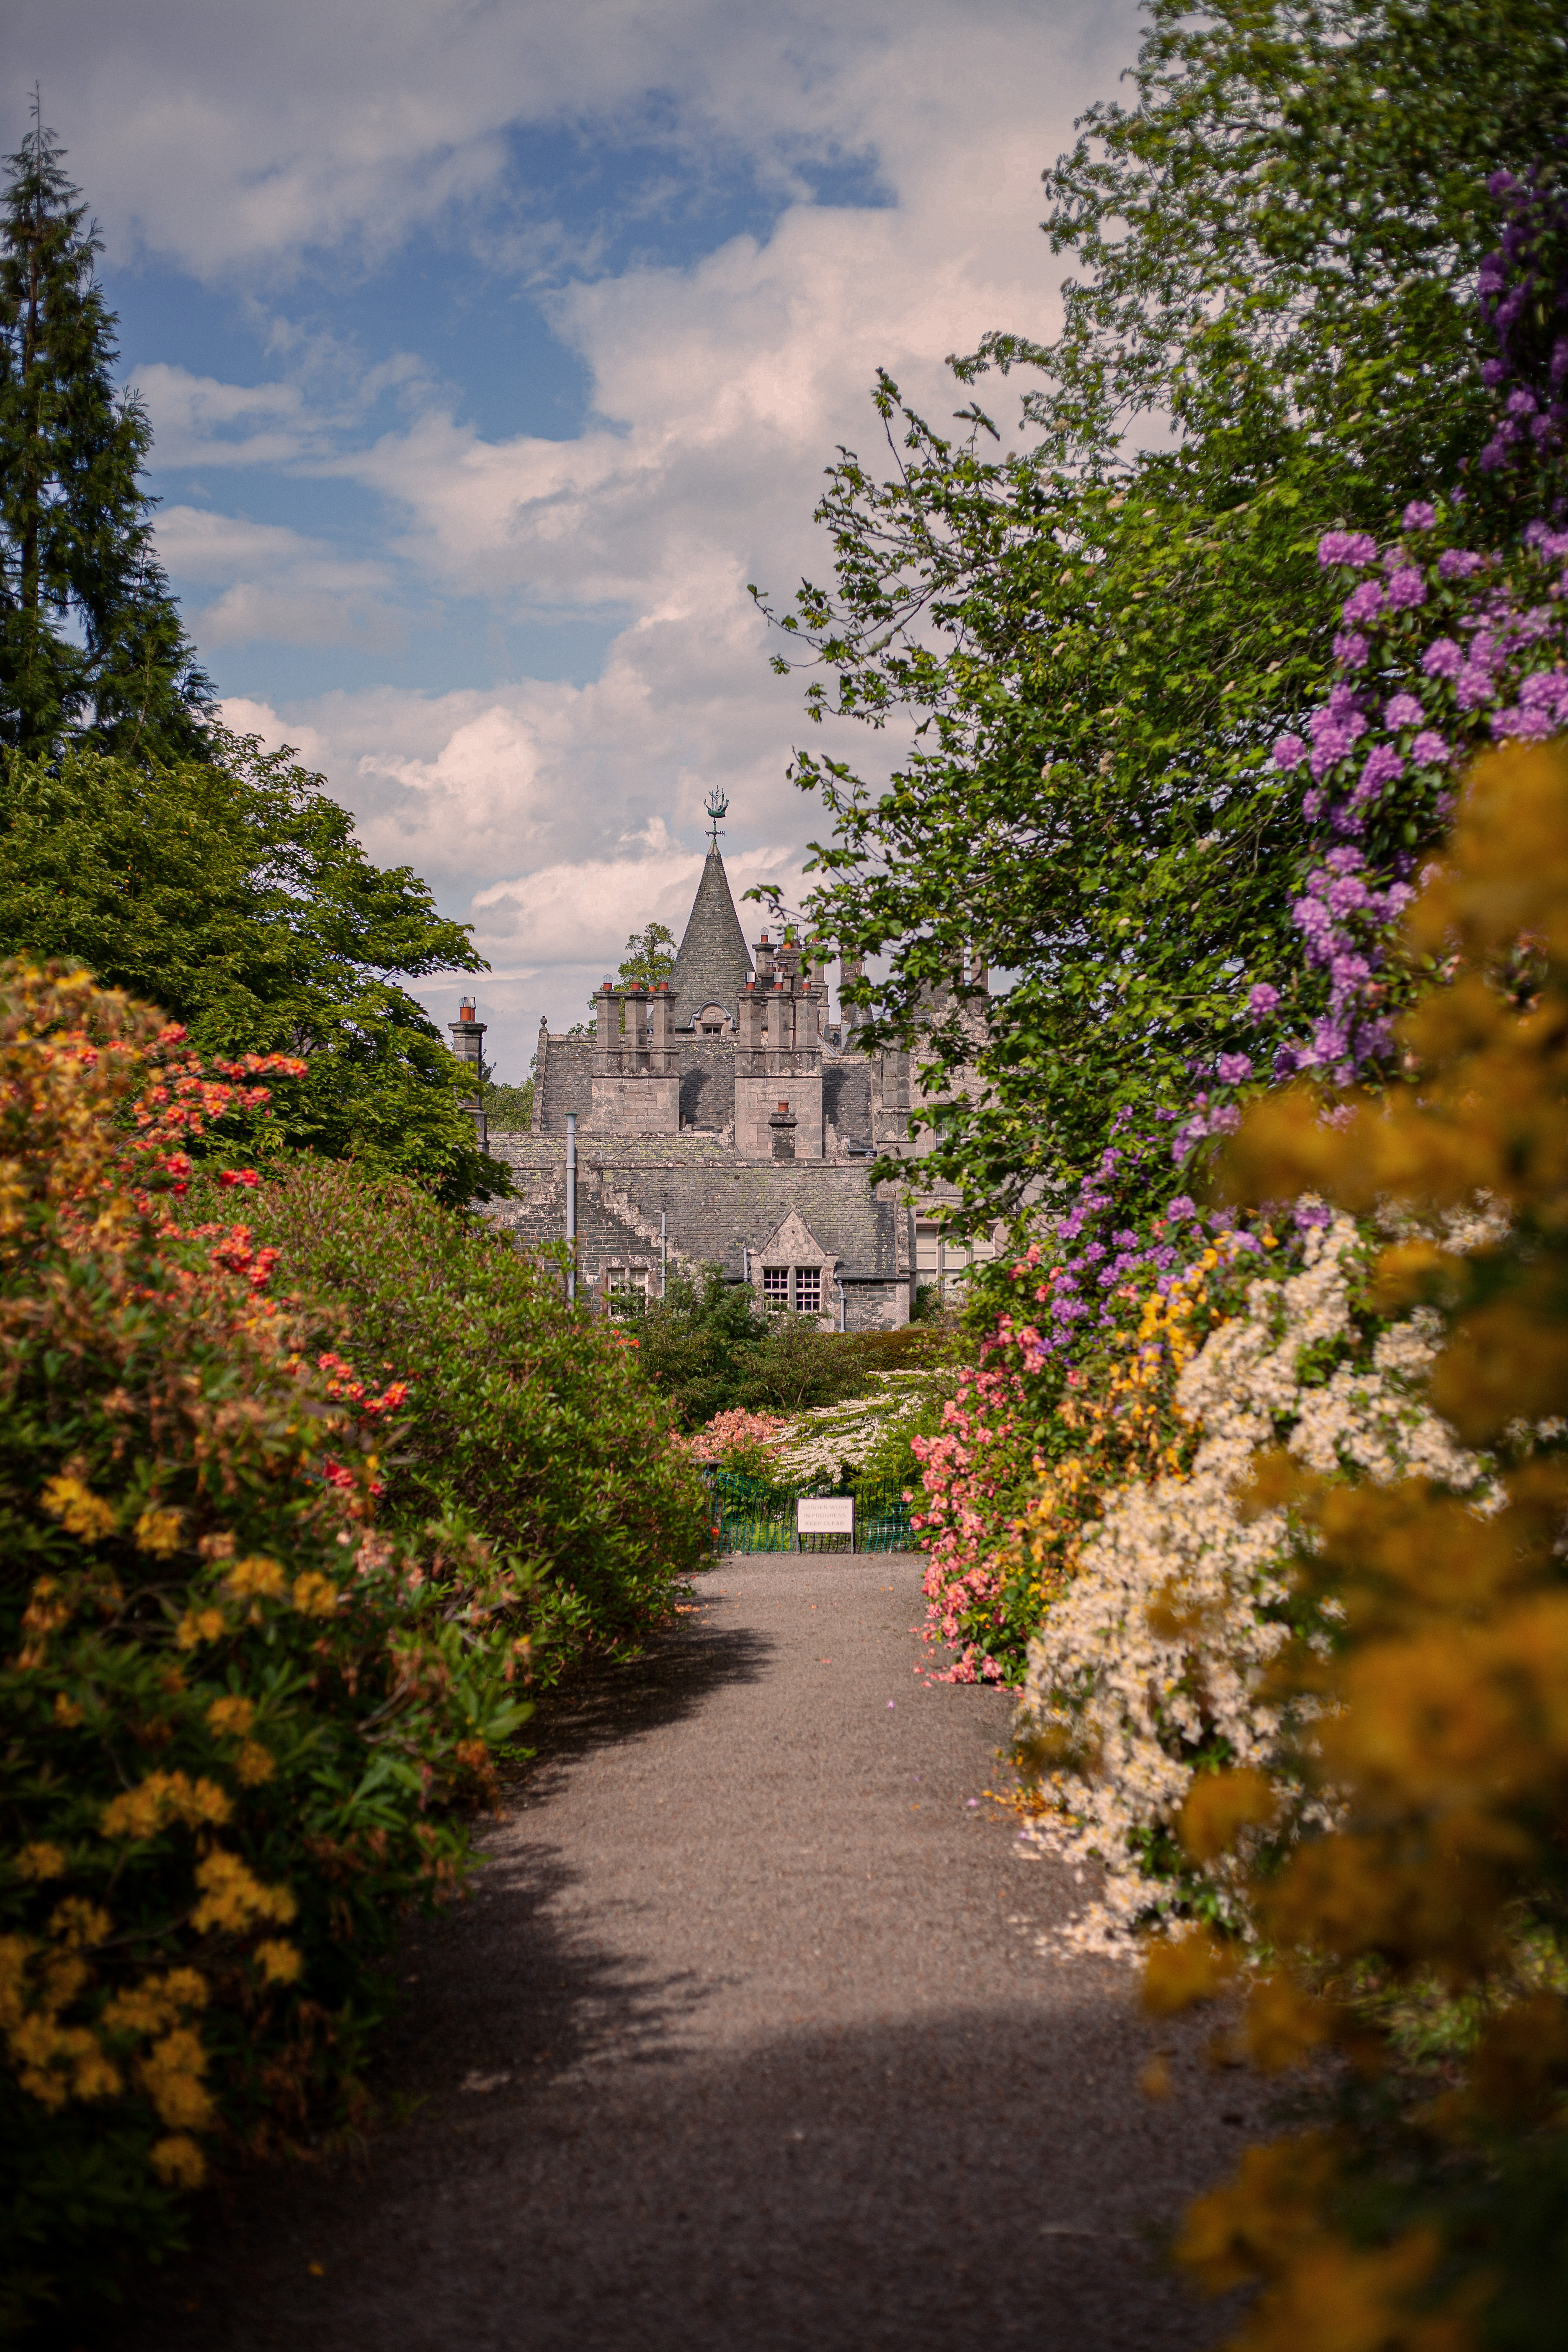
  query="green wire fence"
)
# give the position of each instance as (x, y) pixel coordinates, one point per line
(756, 1515)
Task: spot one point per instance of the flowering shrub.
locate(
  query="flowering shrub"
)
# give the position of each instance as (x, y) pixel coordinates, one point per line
(1431, 2214)
(1151, 1668)
(742, 1440)
(525, 1422)
(235, 1710)
(972, 1471)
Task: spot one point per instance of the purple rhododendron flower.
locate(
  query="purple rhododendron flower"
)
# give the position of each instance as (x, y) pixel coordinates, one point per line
(1429, 749)
(1403, 710)
(1262, 998)
(1346, 547)
(1407, 589)
(1351, 648)
(1457, 563)
(1289, 752)
(1179, 1208)
(1384, 766)
(1232, 1069)
(1347, 895)
(1363, 603)
(1308, 1215)
(1419, 515)
(1473, 687)
(1312, 805)
(1443, 659)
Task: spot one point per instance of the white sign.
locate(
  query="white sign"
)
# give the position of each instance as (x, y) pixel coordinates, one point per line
(825, 1515)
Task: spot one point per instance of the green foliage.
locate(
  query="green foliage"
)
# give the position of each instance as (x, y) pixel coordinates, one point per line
(649, 957)
(712, 1348)
(527, 1422)
(700, 1344)
(510, 1109)
(236, 1709)
(232, 892)
(1099, 631)
(90, 639)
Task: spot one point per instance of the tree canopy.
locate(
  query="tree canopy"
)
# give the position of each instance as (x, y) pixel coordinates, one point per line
(1099, 625)
(649, 957)
(230, 890)
(92, 644)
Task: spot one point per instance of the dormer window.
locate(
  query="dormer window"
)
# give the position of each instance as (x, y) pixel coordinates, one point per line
(712, 1021)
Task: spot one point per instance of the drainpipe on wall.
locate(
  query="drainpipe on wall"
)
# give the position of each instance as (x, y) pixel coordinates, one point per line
(745, 1264)
(663, 1249)
(572, 1208)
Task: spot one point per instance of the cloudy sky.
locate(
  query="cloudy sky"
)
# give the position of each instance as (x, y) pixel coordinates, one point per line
(493, 346)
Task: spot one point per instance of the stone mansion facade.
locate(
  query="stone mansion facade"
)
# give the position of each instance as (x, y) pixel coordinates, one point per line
(723, 1119)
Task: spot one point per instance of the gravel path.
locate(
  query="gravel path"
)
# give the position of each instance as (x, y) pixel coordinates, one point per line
(744, 2042)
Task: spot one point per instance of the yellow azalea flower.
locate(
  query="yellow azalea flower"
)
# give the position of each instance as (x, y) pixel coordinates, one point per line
(170, 2075)
(158, 1531)
(231, 1714)
(280, 1963)
(79, 1510)
(256, 1577)
(198, 1625)
(232, 1895)
(177, 2161)
(163, 1797)
(76, 1923)
(40, 1860)
(315, 1595)
(68, 1711)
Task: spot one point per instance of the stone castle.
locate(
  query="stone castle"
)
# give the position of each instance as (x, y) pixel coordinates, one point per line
(722, 1118)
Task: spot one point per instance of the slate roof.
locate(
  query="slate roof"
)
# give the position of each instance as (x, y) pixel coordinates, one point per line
(712, 962)
(715, 1203)
(714, 1210)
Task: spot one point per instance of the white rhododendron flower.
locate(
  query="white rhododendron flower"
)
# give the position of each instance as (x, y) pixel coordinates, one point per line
(1152, 1660)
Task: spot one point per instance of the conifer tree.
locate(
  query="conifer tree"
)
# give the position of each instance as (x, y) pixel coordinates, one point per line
(90, 639)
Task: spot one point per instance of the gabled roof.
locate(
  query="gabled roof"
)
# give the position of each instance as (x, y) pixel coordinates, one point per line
(713, 964)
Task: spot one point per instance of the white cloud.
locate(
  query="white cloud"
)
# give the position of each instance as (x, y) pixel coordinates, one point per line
(229, 137)
(195, 417)
(236, 142)
(277, 585)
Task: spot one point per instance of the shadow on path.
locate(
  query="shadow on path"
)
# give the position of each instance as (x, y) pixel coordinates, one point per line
(948, 2185)
(744, 2042)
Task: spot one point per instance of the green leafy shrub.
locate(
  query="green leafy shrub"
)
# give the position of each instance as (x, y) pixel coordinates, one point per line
(236, 1709)
(526, 1421)
(712, 1348)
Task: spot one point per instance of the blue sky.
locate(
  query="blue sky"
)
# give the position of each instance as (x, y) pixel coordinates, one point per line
(491, 349)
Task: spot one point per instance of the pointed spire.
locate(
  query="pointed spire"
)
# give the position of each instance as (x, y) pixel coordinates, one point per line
(712, 962)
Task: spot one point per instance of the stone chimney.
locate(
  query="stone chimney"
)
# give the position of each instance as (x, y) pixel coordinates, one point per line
(782, 1124)
(467, 1043)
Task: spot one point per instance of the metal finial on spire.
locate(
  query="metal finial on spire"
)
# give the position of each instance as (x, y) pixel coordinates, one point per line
(718, 806)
